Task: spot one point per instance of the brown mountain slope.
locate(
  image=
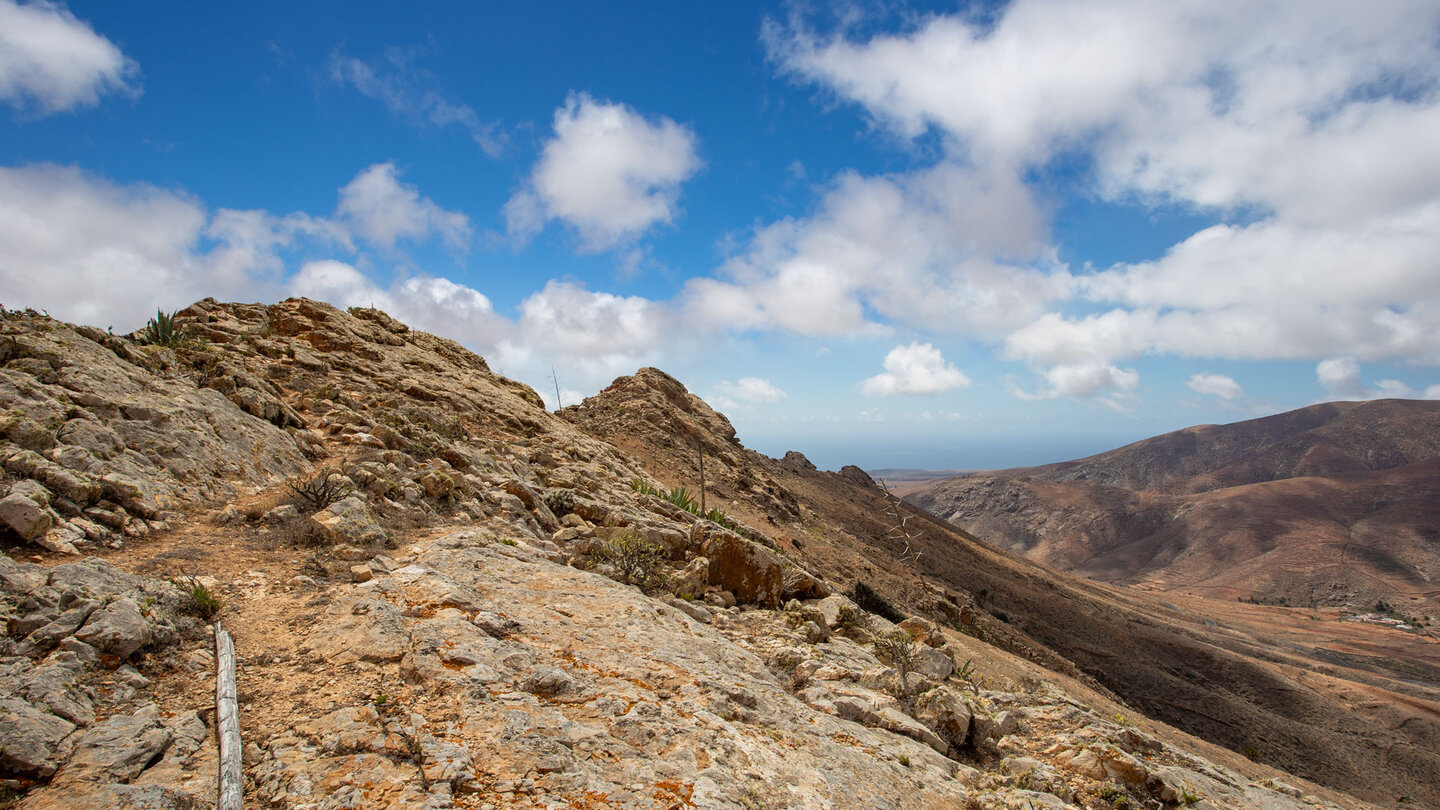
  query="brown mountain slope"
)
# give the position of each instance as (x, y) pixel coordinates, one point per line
(1330, 505)
(1325, 439)
(1218, 682)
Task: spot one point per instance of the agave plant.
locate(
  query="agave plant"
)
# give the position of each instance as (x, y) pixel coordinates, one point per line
(162, 331)
(683, 499)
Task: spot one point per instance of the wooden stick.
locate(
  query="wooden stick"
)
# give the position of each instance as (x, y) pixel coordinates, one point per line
(701, 447)
(227, 724)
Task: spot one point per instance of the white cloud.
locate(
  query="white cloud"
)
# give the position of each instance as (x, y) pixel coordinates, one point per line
(917, 368)
(383, 210)
(414, 93)
(750, 389)
(590, 337)
(1216, 385)
(55, 62)
(96, 252)
(1281, 103)
(607, 172)
(1114, 385)
(435, 305)
(1311, 124)
(946, 249)
(92, 251)
(1342, 380)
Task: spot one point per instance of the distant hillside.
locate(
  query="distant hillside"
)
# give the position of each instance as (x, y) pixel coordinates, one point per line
(1322, 440)
(1332, 504)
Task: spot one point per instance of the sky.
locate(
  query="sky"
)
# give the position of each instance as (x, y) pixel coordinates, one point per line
(950, 236)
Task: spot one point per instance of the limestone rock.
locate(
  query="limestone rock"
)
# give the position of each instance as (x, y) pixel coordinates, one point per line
(753, 573)
(118, 629)
(34, 739)
(933, 663)
(349, 520)
(118, 749)
(24, 516)
(947, 714)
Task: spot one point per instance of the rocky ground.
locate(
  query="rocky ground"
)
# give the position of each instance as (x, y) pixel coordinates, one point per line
(444, 596)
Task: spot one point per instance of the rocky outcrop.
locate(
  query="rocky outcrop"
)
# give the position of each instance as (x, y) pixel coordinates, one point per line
(103, 436)
(72, 629)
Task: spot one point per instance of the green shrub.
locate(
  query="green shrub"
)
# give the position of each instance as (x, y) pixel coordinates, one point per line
(898, 649)
(200, 600)
(646, 488)
(868, 599)
(636, 560)
(717, 516)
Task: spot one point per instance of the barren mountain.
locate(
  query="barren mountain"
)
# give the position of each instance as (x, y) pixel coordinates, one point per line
(1336, 504)
(444, 596)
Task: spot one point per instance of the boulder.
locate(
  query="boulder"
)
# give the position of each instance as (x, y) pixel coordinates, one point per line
(24, 516)
(933, 663)
(118, 749)
(753, 573)
(1105, 762)
(924, 631)
(897, 722)
(34, 739)
(117, 629)
(830, 607)
(944, 712)
(349, 520)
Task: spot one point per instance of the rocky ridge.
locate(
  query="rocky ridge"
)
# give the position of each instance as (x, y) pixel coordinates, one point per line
(446, 628)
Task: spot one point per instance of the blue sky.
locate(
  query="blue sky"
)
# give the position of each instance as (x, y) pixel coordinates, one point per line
(926, 235)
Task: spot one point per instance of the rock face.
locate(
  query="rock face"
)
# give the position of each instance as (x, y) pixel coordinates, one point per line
(87, 623)
(104, 436)
(444, 596)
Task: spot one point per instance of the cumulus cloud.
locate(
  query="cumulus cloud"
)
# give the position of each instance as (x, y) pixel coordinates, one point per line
(50, 61)
(92, 251)
(1113, 385)
(751, 389)
(1215, 385)
(436, 305)
(1341, 378)
(414, 93)
(1307, 129)
(383, 210)
(946, 248)
(916, 368)
(607, 172)
(592, 337)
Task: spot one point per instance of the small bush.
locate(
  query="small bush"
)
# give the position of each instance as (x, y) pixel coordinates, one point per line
(868, 599)
(200, 600)
(646, 488)
(636, 561)
(318, 491)
(560, 501)
(717, 516)
(898, 649)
